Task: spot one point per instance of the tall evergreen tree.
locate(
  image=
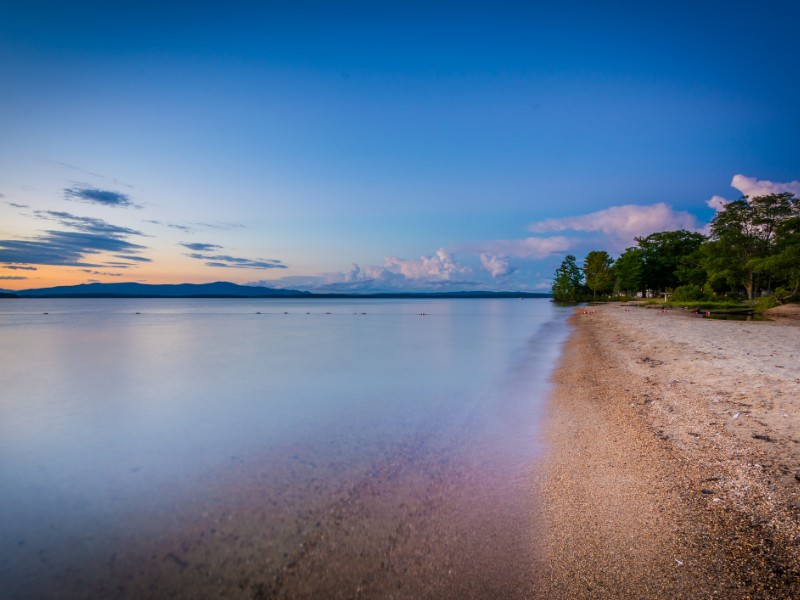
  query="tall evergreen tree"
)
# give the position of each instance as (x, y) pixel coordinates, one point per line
(567, 281)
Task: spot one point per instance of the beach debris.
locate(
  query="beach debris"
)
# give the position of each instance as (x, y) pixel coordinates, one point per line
(738, 414)
(706, 491)
(177, 560)
(763, 436)
(680, 562)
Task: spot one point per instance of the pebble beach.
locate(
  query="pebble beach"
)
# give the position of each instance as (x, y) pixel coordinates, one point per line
(673, 462)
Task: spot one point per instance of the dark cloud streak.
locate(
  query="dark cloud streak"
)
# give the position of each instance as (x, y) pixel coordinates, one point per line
(198, 247)
(97, 196)
(233, 262)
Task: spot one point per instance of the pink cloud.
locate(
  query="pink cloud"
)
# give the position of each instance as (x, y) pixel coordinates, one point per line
(619, 225)
(752, 187)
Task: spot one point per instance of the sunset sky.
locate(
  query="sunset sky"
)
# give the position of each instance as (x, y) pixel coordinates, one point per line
(365, 146)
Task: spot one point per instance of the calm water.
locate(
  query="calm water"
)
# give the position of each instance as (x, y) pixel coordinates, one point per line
(161, 442)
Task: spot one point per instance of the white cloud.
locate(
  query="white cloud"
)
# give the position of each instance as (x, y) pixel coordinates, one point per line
(532, 248)
(440, 266)
(498, 265)
(629, 219)
(752, 187)
(427, 273)
(717, 202)
(619, 225)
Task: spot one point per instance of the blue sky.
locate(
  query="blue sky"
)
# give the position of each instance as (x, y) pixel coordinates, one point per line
(374, 146)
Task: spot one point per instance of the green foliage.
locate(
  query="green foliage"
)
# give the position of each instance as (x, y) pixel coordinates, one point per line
(628, 272)
(567, 281)
(765, 303)
(753, 250)
(749, 235)
(598, 273)
(688, 293)
(663, 253)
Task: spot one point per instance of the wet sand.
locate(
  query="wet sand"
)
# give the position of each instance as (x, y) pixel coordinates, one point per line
(674, 459)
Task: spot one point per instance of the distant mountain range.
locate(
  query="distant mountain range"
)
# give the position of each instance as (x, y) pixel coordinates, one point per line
(222, 289)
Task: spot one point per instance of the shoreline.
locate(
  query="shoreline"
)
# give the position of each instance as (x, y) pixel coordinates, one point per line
(653, 485)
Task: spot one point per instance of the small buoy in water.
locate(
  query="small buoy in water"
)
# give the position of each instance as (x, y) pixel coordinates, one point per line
(138, 313)
(45, 313)
(258, 312)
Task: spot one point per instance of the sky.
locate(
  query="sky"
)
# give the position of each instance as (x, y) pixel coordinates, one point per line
(371, 146)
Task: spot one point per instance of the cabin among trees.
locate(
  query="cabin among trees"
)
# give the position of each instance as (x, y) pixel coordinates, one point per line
(753, 251)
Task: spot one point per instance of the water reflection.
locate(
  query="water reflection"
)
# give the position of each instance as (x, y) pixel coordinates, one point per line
(133, 425)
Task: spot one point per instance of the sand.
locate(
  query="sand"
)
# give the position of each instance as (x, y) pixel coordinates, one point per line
(673, 467)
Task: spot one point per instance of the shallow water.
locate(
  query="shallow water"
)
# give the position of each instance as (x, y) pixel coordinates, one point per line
(281, 447)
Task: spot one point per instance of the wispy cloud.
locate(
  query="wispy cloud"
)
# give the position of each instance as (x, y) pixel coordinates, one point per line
(19, 268)
(106, 273)
(234, 262)
(178, 226)
(752, 187)
(12, 277)
(92, 173)
(132, 257)
(92, 195)
(88, 237)
(17, 205)
(87, 224)
(198, 247)
(221, 225)
(530, 248)
(62, 248)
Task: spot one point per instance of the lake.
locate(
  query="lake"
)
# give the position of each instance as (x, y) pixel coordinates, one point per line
(270, 448)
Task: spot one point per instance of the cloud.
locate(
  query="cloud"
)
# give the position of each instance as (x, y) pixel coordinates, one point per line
(19, 268)
(16, 205)
(96, 196)
(226, 261)
(91, 272)
(221, 225)
(532, 248)
(439, 272)
(198, 247)
(12, 277)
(131, 257)
(752, 187)
(717, 202)
(617, 226)
(70, 248)
(62, 248)
(92, 173)
(497, 265)
(87, 224)
(178, 226)
(441, 266)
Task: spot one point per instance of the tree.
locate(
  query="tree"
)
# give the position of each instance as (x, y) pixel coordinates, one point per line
(745, 235)
(567, 281)
(628, 272)
(662, 254)
(597, 271)
(784, 264)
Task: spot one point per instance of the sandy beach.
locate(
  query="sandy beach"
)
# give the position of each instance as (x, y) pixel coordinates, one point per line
(673, 467)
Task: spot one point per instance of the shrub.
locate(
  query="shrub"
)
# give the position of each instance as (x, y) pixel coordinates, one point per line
(688, 293)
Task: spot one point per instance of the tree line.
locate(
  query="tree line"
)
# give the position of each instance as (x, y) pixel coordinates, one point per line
(753, 250)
